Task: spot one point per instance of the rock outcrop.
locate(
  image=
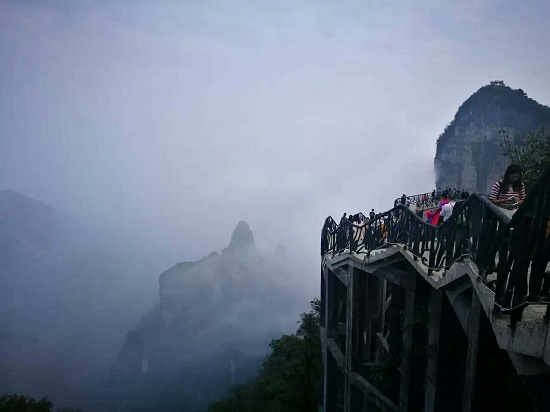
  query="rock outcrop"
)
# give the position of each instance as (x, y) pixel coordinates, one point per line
(211, 327)
(469, 153)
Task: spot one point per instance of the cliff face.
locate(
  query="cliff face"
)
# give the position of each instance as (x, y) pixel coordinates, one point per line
(210, 329)
(468, 153)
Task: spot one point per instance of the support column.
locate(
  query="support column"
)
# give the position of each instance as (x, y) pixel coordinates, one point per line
(323, 313)
(366, 339)
(331, 385)
(407, 346)
(471, 355)
(326, 303)
(332, 307)
(356, 319)
(349, 340)
(326, 317)
(433, 349)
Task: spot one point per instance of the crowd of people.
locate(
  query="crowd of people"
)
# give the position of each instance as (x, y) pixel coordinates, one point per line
(447, 202)
(358, 229)
(435, 207)
(427, 201)
(507, 193)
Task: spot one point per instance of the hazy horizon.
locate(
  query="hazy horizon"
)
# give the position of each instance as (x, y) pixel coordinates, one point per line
(164, 126)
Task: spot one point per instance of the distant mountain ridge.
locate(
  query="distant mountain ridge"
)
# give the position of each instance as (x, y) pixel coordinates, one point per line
(210, 329)
(64, 303)
(468, 153)
(21, 215)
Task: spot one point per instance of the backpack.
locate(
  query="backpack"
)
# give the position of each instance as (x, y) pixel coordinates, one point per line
(441, 217)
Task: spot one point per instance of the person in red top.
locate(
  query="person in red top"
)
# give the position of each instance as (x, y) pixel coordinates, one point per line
(433, 215)
(510, 191)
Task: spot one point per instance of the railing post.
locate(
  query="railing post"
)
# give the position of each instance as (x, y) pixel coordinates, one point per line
(431, 257)
(503, 268)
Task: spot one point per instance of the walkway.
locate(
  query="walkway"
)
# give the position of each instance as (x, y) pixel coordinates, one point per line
(378, 279)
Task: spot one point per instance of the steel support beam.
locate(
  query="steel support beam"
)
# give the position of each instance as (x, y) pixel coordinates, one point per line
(433, 349)
(471, 355)
(407, 346)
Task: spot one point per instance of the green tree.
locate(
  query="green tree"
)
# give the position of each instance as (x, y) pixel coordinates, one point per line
(289, 375)
(23, 403)
(531, 152)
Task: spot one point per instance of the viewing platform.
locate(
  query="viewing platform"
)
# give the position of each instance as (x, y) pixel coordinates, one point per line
(449, 317)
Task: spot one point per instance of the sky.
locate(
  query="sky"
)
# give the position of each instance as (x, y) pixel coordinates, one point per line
(163, 123)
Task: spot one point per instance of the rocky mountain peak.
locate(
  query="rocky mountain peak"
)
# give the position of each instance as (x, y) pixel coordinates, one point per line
(469, 153)
(242, 237)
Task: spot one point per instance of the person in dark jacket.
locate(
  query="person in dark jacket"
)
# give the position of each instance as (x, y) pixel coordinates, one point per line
(342, 233)
(325, 236)
(344, 218)
(463, 197)
(350, 231)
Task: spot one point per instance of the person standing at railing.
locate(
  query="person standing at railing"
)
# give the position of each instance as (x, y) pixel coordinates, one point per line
(354, 231)
(462, 227)
(341, 233)
(361, 227)
(447, 209)
(509, 193)
(325, 236)
(351, 220)
(436, 217)
(464, 195)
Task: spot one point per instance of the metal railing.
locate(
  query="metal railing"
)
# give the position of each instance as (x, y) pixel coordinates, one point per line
(423, 200)
(518, 249)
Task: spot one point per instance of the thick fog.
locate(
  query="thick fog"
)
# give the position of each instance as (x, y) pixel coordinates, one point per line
(159, 125)
(168, 123)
